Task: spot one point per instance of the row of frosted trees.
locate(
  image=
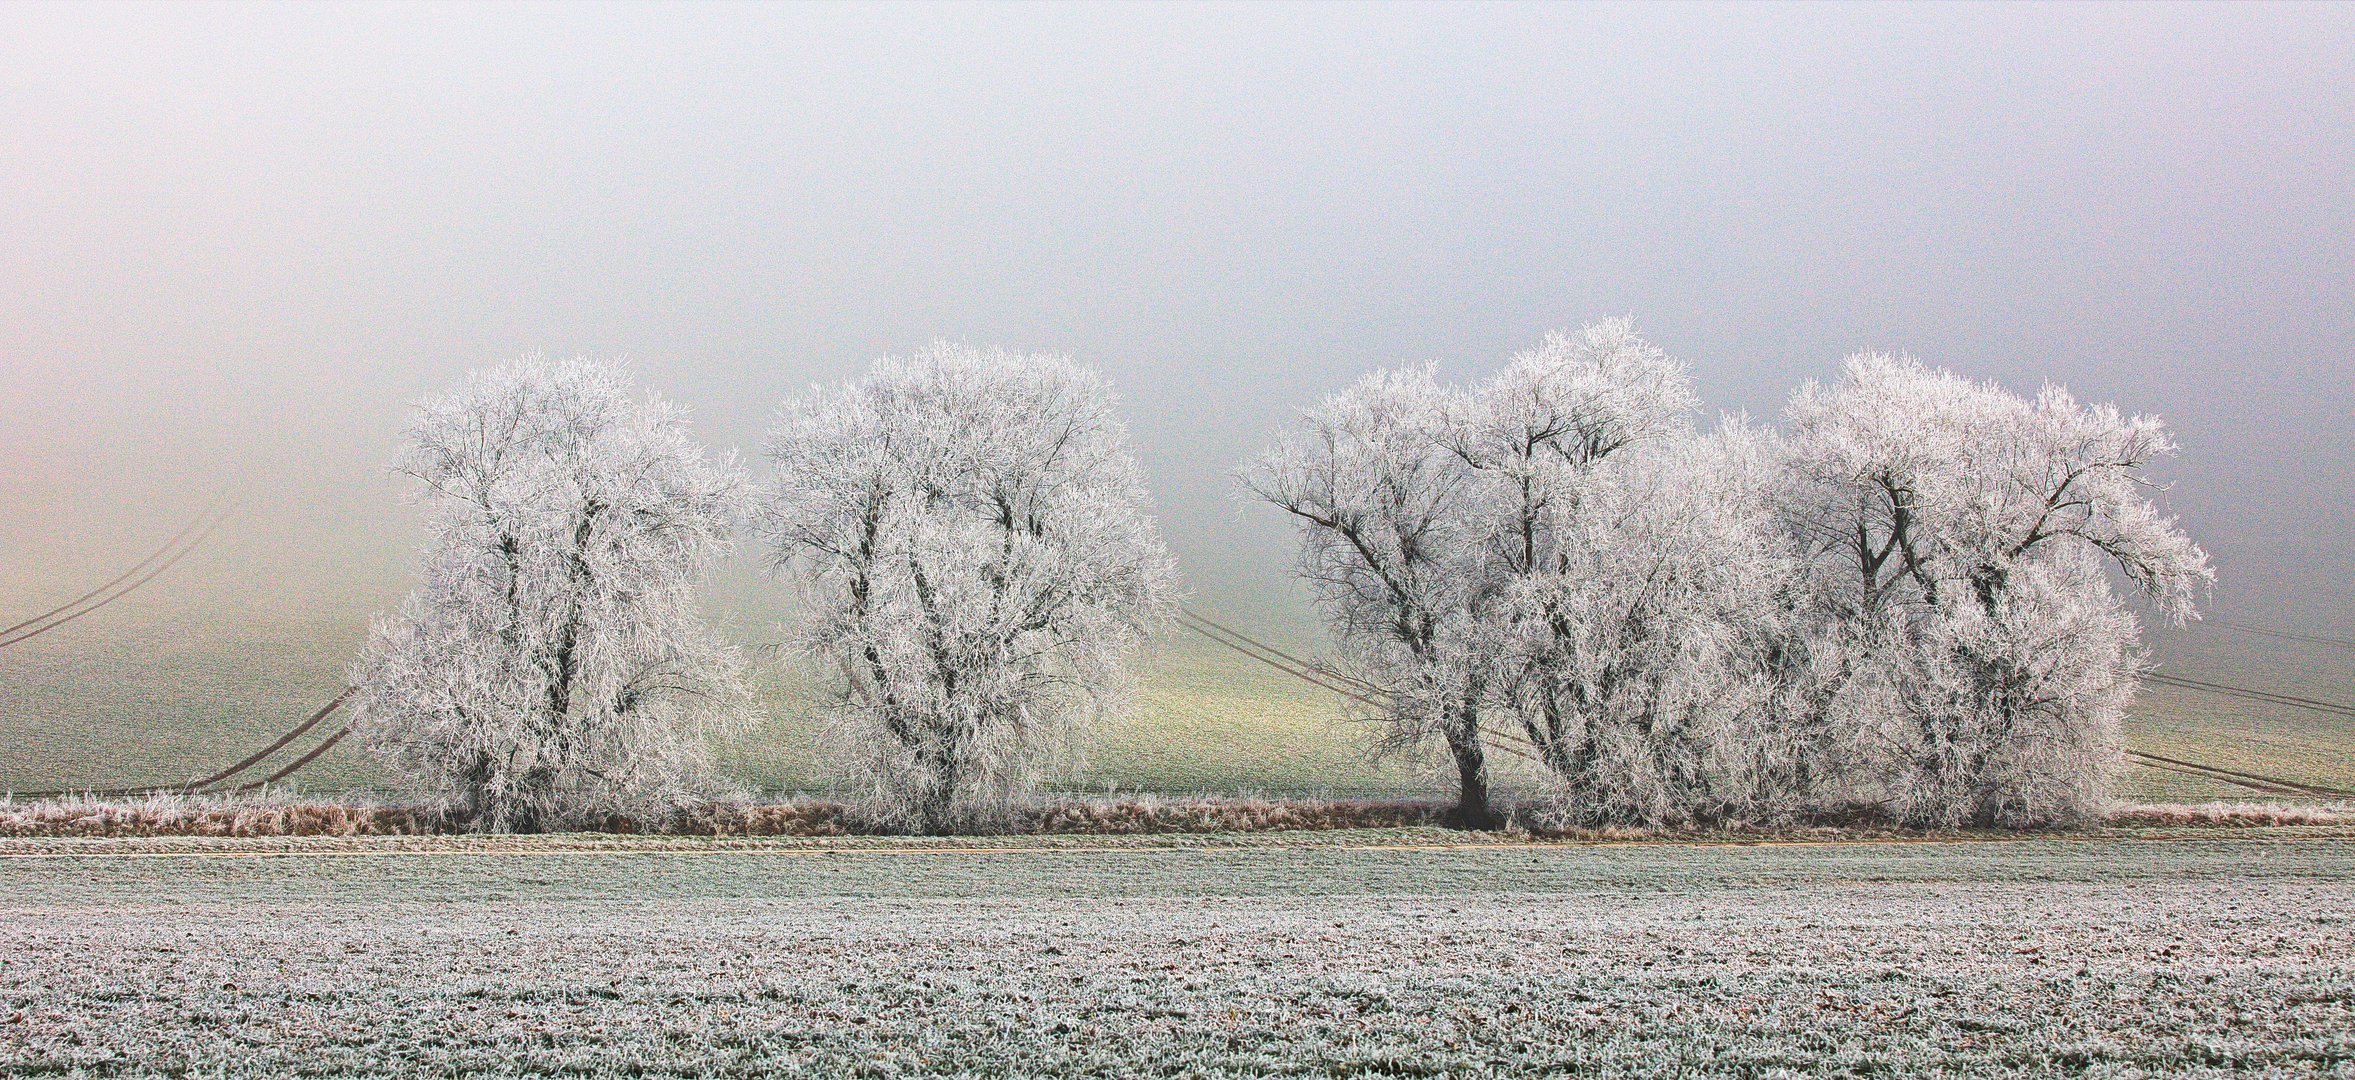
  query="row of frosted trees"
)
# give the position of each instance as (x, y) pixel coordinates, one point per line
(1900, 604)
(969, 529)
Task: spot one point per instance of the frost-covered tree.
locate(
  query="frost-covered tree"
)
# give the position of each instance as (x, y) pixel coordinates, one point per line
(1904, 602)
(1616, 565)
(1958, 537)
(1390, 546)
(1450, 537)
(551, 668)
(979, 559)
(1641, 655)
(1531, 436)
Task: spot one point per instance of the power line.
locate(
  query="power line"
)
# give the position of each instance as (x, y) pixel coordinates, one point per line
(1281, 660)
(2289, 635)
(1316, 675)
(1267, 648)
(1270, 657)
(2291, 700)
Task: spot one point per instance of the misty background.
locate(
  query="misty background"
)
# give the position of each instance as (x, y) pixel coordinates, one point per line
(237, 242)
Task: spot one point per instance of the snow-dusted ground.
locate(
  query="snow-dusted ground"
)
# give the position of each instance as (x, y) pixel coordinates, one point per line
(2118, 956)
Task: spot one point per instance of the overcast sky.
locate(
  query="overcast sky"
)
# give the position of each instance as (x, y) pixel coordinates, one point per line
(236, 242)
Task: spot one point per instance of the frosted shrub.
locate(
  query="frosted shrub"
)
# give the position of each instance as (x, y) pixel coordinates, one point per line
(978, 559)
(551, 667)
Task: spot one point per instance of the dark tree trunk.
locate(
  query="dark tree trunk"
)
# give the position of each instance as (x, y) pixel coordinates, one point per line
(1471, 809)
(937, 812)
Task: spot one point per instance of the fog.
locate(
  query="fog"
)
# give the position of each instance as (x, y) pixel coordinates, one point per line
(238, 241)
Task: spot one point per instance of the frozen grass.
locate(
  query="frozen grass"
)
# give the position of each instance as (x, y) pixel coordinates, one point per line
(2029, 958)
(285, 814)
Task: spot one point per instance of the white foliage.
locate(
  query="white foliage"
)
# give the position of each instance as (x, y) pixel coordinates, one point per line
(1641, 653)
(1958, 534)
(1903, 603)
(979, 557)
(551, 667)
(1531, 435)
(1391, 547)
(1450, 537)
(1616, 568)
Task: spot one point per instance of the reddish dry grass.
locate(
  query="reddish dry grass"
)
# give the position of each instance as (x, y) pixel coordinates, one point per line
(798, 817)
(1098, 817)
(184, 816)
(2237, 815)
(166, 815)
(278, 816)
(1224, 815)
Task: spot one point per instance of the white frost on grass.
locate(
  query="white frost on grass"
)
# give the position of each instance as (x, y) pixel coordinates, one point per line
(2169, 959)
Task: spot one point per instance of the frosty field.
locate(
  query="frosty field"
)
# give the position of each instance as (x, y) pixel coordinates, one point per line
(1389, 953)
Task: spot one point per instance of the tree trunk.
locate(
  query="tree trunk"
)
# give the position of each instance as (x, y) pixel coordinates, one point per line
(1471, 809)
(939, 813)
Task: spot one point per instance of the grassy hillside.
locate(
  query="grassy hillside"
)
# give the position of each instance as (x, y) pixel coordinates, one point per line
(152, 697)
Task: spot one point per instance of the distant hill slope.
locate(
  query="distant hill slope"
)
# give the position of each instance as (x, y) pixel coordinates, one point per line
(159, 698)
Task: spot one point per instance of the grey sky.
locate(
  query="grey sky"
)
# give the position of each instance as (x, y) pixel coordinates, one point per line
(251, 234)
